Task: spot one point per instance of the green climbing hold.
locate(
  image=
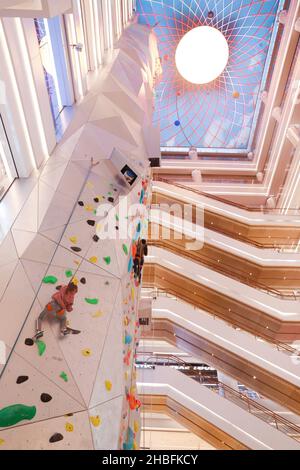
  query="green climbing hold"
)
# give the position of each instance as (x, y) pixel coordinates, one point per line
(50, 280)
(117, 218)
(107, 260)
(69, 273)
(64, 376)
(12, 415)
(125, 249)
(92, 301)
(41, 347)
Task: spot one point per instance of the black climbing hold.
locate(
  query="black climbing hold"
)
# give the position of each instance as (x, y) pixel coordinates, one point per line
(96, 200)
(96, 238)
(76, 249)
(111, 199)
(69, 415)
(81, 203)
(92, 223)
(116, 227)
(45, 398)
(115, 190)
(210, 14)
(29, 342)
(22, 379)
(56, 438)
(83, 280)
(58, 287)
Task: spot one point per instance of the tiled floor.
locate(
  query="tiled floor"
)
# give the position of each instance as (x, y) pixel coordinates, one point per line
(13, 201)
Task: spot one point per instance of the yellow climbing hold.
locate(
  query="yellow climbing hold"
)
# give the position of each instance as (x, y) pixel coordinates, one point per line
(89, 208)
(96, 421)
(98, 314)
(86, 352)
(98, 227)
(108, 385)
(73, 240)
(69, 427)
(2, 441)
(136, 426)
(132, 293)
(126, 376)
(90, 185)
(94, 259)
(75, 281)
(135, 446)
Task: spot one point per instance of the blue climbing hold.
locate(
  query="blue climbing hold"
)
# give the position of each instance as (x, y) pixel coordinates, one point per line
(130, 264)
(128, 339)
(142, 196)
(177, 123)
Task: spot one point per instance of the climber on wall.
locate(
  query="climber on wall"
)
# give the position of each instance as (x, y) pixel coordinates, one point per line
(141, 252)
(62, 302)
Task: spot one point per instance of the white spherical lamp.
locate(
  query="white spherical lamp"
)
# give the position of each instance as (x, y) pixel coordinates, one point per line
(193, 153)
(197, 176)
(271, 202)
(202, 55)
(260, 177)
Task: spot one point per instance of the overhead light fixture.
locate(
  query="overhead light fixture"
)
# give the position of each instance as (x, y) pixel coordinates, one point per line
(202, 55)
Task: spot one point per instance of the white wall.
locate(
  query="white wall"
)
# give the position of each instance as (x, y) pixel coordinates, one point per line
(26, 110)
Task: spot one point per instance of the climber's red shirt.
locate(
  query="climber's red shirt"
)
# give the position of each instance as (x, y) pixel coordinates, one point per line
(65, 299)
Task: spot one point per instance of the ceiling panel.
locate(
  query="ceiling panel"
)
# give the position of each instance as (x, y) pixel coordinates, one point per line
(221, 116)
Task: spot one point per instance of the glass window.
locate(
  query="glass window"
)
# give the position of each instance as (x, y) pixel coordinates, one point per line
(43, 35)
(56, 67)
(7, 167)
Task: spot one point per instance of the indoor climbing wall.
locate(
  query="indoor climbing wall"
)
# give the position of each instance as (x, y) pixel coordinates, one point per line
(78, 391)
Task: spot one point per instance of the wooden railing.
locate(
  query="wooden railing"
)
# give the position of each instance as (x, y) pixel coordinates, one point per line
(236, 397)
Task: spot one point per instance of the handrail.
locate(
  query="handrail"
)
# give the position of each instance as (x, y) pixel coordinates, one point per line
(280, 346)
(282, 424)
(241, 278)
(225, 201)
(240, 237)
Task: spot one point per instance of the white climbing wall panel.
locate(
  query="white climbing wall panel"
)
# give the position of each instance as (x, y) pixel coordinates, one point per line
(78, 391)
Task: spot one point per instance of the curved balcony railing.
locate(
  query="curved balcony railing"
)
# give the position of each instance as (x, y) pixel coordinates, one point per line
(272, 243)
(237, 274)
(260, 208)
(280, 346)
(238, 398)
